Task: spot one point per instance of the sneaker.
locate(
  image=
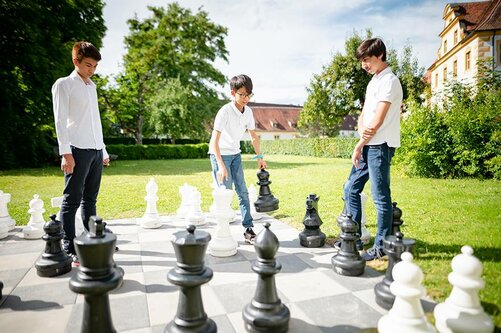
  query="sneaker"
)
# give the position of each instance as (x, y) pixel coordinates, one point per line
(249, 236)
(75, 260)
(373, 253)
(358, 245)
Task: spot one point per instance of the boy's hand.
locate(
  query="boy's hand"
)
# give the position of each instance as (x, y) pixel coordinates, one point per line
(261, 164)
(222, 174)
(355, 157)
(67, 163)
(106, 162)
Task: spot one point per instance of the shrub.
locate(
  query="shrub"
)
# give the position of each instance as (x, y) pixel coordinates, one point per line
(158, 152)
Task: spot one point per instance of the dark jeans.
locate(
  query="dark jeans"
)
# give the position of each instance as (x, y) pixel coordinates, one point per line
(374, 166)
(81, 188)
(233, 164)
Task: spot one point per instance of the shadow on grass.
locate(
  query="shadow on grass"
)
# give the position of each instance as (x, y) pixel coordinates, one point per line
(431, 251)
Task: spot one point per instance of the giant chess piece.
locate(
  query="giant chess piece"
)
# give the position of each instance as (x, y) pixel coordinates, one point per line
(462, 311)
(347, 261)
(252, 199)
(365, 237)
(265, 202)
(34, 229)
(189, 274)
(407, 313)
(311, 236)
(56, 202)
(1, 288)
(393, 246)
(223, 244)
(185, 192)
(397, 219)
(54, 261)
(97, 275)
(195, 215)
(4, 230)
(221, 206)
(151, 219)
(5, 218)
(266, 313)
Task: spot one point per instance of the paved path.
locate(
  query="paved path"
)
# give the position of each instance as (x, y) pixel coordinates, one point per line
(319, 299)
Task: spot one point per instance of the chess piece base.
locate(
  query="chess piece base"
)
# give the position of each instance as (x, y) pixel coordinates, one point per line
(150, 221)
(10, 222)
(348, 265)
(266, 318)
(312, 239)
(384, 297)
(49, 267)
(30, 232)
(209, 326)
(223, 247)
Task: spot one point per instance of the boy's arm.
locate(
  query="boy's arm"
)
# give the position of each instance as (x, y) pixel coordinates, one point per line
(60, 103)
(257, 148)
(369, 131)
(222, 173)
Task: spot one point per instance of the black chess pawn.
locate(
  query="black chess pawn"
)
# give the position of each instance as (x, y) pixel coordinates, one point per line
(189, 274)
(97, 275)
(54, 261)
(393, 246)
(348, 261)
(266, 313)
(312, 236)
(265, 202)
(397, 219)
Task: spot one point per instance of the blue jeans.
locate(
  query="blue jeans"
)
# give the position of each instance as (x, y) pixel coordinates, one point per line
(81, 188)
(374, 166)
(233, 164)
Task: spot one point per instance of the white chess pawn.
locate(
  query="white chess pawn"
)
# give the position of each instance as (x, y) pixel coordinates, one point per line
(151, 219)
(222, 204)
(407, 313)
(366, 235)
(185, 192)
(252, 198)
(34, 229)
(462, 311)
(56, 202)
(222, 244)
(195, 215)
(5, 218)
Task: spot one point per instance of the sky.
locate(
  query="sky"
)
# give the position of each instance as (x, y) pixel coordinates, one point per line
(281, 44)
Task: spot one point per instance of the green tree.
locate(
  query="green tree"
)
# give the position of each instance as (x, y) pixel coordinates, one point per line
(339, 89)
(36, 37)
(169, 55)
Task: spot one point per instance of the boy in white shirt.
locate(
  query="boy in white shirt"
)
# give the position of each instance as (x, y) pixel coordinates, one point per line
(379, 129)
(231, 122)
(80, 140)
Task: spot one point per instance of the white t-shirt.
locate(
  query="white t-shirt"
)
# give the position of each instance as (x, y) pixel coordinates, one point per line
(384, 87)
(232, 124)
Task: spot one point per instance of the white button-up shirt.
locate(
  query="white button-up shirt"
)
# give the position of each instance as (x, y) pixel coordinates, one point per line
(76, 115)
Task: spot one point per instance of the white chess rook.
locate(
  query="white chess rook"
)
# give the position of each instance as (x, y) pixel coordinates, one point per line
(252, 198)
(407, 313)
(185, 192)
(223, 244)
(34, 229)
(222, 204)
(462, 311)
(195, 215)
(56, 202)
(151, 219)
(5, 218)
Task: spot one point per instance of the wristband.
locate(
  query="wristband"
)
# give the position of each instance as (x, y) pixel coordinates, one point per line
(258, 156)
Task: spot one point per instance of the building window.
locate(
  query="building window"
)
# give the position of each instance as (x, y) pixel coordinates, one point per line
(436, 80)
(445, 74)
(455, 37)
(455, 69)
(445, 46)
(467, 61)
(276, 137)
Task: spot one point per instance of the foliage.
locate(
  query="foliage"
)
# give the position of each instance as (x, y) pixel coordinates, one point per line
(459, 138)
(36, 40)
(158, 152)
(339, 89)
(169, 79)
(319, 147)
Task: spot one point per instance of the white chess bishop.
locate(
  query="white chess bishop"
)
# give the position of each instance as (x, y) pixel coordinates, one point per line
(407, 313)
(151, 219)
(462, 311)
(5, 219)
(34, 229)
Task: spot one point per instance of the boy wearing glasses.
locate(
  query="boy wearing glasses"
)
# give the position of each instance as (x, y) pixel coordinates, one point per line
(231, 122)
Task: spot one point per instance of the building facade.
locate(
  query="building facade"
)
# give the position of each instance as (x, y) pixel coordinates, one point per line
(472, 31)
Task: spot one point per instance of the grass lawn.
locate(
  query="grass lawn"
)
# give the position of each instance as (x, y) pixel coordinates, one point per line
(441, 214)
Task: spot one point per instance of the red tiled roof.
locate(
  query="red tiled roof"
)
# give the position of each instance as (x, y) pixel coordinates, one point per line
(275, 117)
(484, 15)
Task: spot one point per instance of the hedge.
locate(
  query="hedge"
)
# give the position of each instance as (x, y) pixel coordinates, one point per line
(146, 141)
(339, 147)
(158, 152)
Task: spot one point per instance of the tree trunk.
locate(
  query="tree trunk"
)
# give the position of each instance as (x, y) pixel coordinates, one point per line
(138, 133)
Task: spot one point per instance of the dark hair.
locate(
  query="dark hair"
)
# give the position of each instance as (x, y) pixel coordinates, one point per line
(85, 50)
(371, 47)
(240, 81)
